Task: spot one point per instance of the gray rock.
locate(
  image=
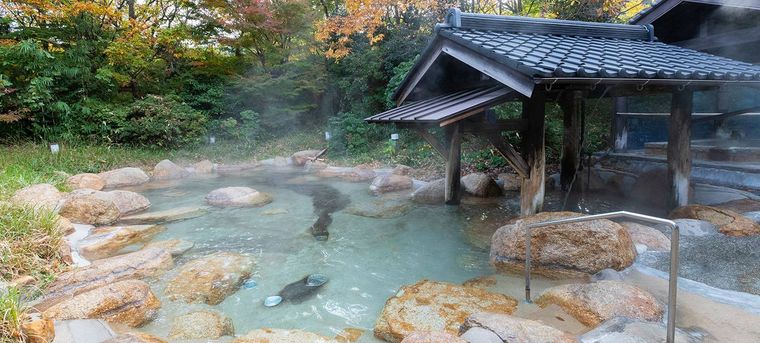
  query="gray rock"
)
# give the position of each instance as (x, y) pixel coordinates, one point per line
(167, 170)
(480, 185)
(82, 331)
(124, 177)
(431, 193)
(480, 335)
(626, 330)
(694, 227)
(607, 274)
(754, 216)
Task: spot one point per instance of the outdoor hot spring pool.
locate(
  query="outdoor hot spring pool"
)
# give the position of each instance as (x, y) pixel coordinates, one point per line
(366, 259)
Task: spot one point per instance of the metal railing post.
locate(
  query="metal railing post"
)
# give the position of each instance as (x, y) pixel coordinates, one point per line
(674, 255)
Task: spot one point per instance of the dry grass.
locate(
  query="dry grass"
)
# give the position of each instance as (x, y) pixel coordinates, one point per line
(12, 312)
(29, 243)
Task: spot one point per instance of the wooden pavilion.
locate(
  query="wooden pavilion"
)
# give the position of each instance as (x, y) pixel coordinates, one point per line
(478, 61)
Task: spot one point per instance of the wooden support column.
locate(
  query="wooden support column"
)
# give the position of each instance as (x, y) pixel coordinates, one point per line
(440, 148)
(453, 163)
(679, 148)
(619, 125)
(532, 190)
(572, 108)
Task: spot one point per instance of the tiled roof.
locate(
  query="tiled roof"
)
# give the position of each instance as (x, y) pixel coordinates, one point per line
(545, 48)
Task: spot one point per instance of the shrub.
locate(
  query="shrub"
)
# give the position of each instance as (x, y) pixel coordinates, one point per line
(352, 135)
(163, 121)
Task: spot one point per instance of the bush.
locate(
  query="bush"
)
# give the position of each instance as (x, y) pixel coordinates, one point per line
(163, 121)
(352, 135)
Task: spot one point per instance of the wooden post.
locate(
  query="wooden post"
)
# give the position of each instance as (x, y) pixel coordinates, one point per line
(572, 108)
(453, 163)
(679, 149)
(532, 190)
(620, 125)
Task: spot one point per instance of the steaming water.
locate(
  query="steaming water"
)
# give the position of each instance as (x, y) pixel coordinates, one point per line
(366, 259)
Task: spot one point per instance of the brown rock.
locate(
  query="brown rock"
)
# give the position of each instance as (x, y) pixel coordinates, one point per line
(37, 329)
(210, 279)
(65, 226)
(480, 185)
(203, 324)
(390, 183)
(647, 235)
(516, 329)
(511, 182)
(349, 335)
(124, 177)
(160, 217)
(203, 167)
(596, 302)
(436, 306)
(728, 222)
(267, 335)
(127, 302)
(107, 241)
(401, 169)
(86, 180)
(89, 209)
(64, 251)
(560, 251)
(167, 170)
(237, 197)
(135, 337)
(139, 264)
(128, 202)
(432, 193)
(300, 158)
(741, 205)
(315, 165)
(38, 196)
(432, 337)
(483, 282)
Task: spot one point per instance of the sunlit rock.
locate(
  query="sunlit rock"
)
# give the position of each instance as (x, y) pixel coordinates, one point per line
(266, 335)
(139, 264)
(37, 329)
(436, 306)
(434, 192)
(237, 197)
(124, 177)
(86, 180)
(38, 196)
(390, 183)
(160, 217)
(209, 279)
(84, 207)
(728, 222)
(300, 158)
(176, 247)
(129, 302)
(128, 202)
(107, 241)
(203, 324)
(431, 337)
(652, 238)
(480, 185)
(593, 303)
(514, 329)
(567, 250)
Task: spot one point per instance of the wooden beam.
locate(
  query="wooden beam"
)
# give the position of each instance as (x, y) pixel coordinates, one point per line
(532, 190)
(440, 148)
(513, 157)
(453, 164)
(572, 108)
(619, 124)
(418, 71)
(679, 149)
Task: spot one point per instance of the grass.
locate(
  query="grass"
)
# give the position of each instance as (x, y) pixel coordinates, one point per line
(12, 311)
(29, 243)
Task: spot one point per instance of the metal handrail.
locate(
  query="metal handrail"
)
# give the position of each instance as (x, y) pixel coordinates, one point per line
(674, 238)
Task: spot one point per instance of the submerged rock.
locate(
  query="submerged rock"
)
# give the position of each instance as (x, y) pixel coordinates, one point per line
(480, 185)
(82, 330)
(160, 217)
(107, 241)
(432, 193)
(203, 324)
(695, 227)
(267, 335)
(175, 247)
(86, 180)
(210, 279)
(38, 196)
(652, 238)
(567, 250)
(127, 302)
(124, 177)
(143, 263)
(237, 197)
(514, 329)
(436, 306)
(88, 208)
(135, 337)
(432, 337)
(728, 222)
(390, 183)
(596, 302)
(622, 329)
(167, 170)
(301, 290)
(741, 205)
(300, 158)
(356, 174)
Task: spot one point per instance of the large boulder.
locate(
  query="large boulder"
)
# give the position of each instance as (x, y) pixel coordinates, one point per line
(357, 174)
(510, 182)
(480, 185)
(432, 337)
(237, 197)
(567, 250)
(128, 202)
(128, 302)
(652, 238)
(390, 183)
(436, 306)
(622, 329)
(166, 216)
(432, 193)
(514, 329)
(210, 279)
(84, 207)
(38, 196)
(728, 222)
(167, 170)
(123, 177)
(107, 241)
(593, 303)
(300, 158)
(267, 335)
(139, 264)
(86, 180)
(203, 324)
(202, 167)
